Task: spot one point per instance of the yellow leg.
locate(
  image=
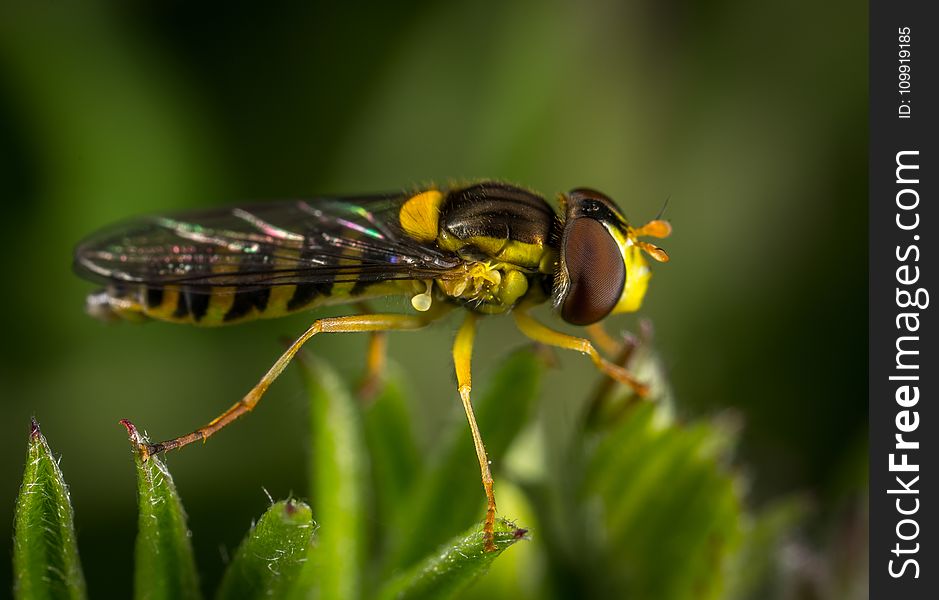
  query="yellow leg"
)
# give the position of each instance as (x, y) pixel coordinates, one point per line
(375, 360)
(331, 325)
(541, 333)
(603, 339)
(462, 355)
(602, 393)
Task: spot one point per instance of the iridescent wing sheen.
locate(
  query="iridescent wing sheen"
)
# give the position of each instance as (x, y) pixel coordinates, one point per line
(252, 247)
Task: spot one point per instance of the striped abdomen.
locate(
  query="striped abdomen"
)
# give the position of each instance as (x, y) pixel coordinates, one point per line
(210, 307)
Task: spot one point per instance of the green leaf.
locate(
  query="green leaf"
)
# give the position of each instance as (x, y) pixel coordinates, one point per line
(393, 454)
(339, 472)
(450, 493)
(456, 565)
(164, 564)
(271, 554)
(45, 554)
(671, 515)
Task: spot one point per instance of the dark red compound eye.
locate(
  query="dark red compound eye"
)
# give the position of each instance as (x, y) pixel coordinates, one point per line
(595, 270)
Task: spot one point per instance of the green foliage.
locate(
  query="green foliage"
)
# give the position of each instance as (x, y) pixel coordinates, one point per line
(675, 519)
(449, 494)
(636, 505)
(164, 564)
(338, 464)
(459, 561)
(45, 555)
(272, 553)
(628, 503)
(395, 458)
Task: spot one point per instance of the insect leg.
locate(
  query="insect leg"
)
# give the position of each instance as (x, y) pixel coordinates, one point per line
(462, 355)
(355, 323)
(545, 335)
(375, 359)
(601, 394)
(603, 339)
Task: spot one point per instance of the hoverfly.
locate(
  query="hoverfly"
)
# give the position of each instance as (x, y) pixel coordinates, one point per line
(490, 248)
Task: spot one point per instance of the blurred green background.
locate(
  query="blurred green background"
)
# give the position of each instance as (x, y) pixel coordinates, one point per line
(749, 117)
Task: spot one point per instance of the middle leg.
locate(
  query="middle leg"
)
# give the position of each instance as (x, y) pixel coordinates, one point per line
(375, 359)
(462, 355)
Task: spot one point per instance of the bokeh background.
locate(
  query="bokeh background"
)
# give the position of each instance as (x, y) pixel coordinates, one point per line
(750, 118)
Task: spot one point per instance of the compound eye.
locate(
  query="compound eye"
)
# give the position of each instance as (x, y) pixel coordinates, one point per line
(595, 269)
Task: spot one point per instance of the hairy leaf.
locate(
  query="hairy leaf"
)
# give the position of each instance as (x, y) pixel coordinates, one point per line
(271, 554)
(45, 554)
(669, 510)
(339, 472)
(457, 564)
(164, 563)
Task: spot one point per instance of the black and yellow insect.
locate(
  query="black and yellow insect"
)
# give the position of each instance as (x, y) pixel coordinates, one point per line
(490, 247)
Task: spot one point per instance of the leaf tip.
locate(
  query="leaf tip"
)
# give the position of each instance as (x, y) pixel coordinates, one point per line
(511, 528)
(138, 441)
(131, 429)
(34, 433)
(290, 507)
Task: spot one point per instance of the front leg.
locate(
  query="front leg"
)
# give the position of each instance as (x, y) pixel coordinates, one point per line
(545, 335)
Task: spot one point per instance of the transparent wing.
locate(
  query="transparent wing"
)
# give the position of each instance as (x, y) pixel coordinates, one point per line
(277, 243)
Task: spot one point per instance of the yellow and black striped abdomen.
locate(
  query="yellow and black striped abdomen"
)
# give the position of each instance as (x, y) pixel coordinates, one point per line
(213, 307)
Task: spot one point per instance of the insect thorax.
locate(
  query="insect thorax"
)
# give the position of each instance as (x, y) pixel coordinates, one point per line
(503, 233)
